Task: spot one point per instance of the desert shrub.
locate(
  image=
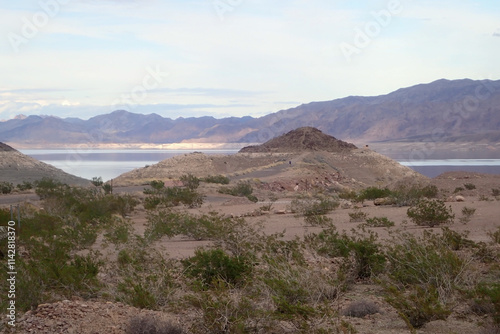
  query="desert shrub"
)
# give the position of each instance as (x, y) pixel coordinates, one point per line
(6, 187)
(379, 222)
(26, 185)
(372, 193)
(407, 195)
(190, 181)
(495, 192)
(357, 216)
(470, 186)
(430, 213)
(220, 179)
(416, 305)
(209, 267)
(467, 213)
(172, 196)
(157, 184)
(297, 290)
(495, 236)
(488, 298)
(97, 181)
(151, 325)
(314, 210)
(458, 189)
(428, 262)
(108, 188)
(241, 189)
(47, 187)
(145, 277)
(366, 253)
(118, 231)
(360, 309)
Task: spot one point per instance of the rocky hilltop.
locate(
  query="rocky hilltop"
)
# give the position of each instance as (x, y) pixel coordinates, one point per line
(16, 168)
(301, 139)
(305, 157)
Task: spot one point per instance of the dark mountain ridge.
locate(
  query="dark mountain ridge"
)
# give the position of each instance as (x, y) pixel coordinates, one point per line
(444, 110)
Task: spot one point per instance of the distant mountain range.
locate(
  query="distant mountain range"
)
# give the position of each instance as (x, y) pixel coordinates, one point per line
(444, 110)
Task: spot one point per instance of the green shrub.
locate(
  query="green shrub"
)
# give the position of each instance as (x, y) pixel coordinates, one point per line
(26, 185)
(241, 189)
(488, 295)
(495, 236)
(212, 266)
(6, 187)
(357, 216)
(157, 184)
(220, 179)
(469, 186)
(372, 193)
(428, 261)
(97, 181)
(172, 196)
(458, 189)
(467, 213)
(417, 305)
(190, 181)
(430, 213)
(407, 195)
(379, 222)
(368, 257)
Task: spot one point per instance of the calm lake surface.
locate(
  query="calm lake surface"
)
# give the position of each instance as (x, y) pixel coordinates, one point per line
(109, 164)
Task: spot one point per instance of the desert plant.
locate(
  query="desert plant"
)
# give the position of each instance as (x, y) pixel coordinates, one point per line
(148, 324)
(458, 189)
(190, 181)
(210, 266)
(241, 189)
(172, 196)
(357, 216)
(429, 262)
(469, 186)
(372, 193)
(407, 195)
(495, 192)
(220, 179)
(379, 222)
(26, 185)
(360, 309)
(314, 210)
(416, 305)
(495, 236)
(97, 181)
(467, 213)
(157, 184)
(6, 187)
(430, 213)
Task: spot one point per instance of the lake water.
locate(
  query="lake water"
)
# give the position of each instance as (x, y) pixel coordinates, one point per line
(109, 164)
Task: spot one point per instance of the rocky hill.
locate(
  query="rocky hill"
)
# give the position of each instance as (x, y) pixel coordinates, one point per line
(304, 157)
(16, 168)
(301, 139)
(444, 110)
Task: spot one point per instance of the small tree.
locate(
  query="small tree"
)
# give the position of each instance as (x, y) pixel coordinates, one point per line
(430, 213)
(97, 181)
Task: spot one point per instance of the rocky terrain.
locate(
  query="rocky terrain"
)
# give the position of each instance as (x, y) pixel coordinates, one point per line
(16, 168)
(304, 156)
(455, 111)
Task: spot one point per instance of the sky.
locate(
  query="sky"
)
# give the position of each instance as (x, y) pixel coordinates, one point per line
(222, 58)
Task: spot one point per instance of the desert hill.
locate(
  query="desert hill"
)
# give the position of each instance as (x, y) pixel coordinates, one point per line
(302, 139)
(311, 159)
(444, 110)
(16, 167)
